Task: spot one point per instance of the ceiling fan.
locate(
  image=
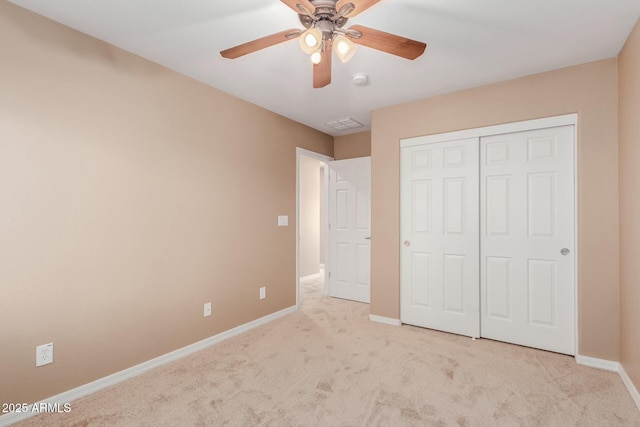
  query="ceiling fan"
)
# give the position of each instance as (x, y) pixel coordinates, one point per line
(324, 21)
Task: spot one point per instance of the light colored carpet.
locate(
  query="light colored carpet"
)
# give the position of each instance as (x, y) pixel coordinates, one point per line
(328, 365)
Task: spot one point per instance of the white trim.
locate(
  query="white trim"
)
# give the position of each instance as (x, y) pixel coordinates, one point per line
(549, 122)
(633, 391)
(610, 365)
(385, 320)
(576, 246)
(118, 377)
(327, 264)
(311, 277)
(313, 154)
(325, 159)
(592, 362)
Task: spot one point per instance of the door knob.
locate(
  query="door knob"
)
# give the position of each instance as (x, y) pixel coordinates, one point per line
(368, 238)
(407, 243)
(565, 251)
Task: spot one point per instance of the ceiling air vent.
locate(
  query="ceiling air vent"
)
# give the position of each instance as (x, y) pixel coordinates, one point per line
(344, 124)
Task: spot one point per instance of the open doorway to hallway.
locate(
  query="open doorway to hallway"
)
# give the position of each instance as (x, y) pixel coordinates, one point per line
(312, 221)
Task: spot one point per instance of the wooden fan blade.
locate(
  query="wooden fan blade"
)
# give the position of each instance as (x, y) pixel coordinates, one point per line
(300, 6)
(358, 6)
(390, 43)
(322, 71)
(261, 43)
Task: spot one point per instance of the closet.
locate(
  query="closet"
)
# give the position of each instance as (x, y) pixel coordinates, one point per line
(488, 233)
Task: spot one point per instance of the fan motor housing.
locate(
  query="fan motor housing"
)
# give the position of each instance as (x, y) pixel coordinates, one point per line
(325, 11)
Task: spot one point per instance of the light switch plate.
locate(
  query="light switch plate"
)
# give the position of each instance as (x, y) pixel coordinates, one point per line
(263, 292)
(283, 220)
(207, 309)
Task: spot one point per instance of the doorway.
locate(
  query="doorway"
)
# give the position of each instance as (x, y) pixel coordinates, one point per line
(311, 218)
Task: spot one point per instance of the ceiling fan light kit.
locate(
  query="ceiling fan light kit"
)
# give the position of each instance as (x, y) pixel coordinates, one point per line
(344, 48)
(316, 57)
(324, 21)
(311, 40)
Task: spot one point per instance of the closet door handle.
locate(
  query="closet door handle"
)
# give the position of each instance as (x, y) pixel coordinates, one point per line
(407, 243)
(368, 238)
(565, 251)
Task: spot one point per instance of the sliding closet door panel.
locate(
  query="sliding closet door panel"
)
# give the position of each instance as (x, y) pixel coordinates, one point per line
(527, 219)
(440, 236)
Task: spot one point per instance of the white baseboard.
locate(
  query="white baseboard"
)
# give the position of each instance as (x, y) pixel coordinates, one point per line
(385, 320)
(118, 377)
(312, 276)
(609, 365)
(633, 391)
(592, 362)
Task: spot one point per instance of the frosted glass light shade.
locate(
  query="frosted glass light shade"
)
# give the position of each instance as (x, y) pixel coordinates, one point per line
(344, 48)
(311, 40)
(316, 57)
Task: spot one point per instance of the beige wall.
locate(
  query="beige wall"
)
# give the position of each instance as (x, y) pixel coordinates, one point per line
(629, 81)
(130, 196)
(352, 146)
(591, 91)
(309, 216)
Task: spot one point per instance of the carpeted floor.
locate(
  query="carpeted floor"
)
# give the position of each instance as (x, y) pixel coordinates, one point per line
(328, 365)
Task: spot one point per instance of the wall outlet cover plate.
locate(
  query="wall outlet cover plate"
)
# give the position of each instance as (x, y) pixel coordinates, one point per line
(44, 354)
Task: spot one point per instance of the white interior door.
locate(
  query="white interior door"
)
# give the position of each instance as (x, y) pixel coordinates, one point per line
(350, 229)
(527, 244)
(440, 236)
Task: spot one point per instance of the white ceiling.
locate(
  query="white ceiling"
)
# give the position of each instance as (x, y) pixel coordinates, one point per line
(469, 43)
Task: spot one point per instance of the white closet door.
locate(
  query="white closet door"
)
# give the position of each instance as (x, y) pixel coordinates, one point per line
(350, 229)
(527, 238)
(440, 233)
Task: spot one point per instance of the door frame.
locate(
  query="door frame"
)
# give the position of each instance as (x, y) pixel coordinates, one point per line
(548, 122)
(325, 159)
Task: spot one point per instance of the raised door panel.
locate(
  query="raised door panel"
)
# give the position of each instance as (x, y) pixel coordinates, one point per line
(542, 293)
(454, 275)
(342, 210)
(420, 281)
(497, 217)
(498, 289)
(542, 204)
(455, 213)
(421, 207)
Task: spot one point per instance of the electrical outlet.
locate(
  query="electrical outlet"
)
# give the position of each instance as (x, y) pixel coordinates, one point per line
(263, 292)
(207, 309)
(44, 354)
